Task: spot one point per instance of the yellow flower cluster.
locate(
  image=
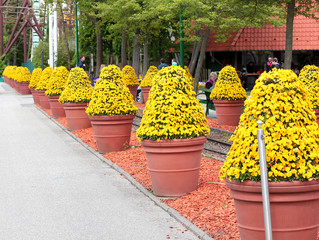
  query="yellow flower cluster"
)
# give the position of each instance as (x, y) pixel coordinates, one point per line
(189, 75)
(148, 79)
(44, 79)
(24, 74)
(36, 75)
(9, 71)
(228, 86)
(111, 96)
(309, 75)
(280, 100)
(172, 110)
(129, 76)
(57, 81)
(77, 88)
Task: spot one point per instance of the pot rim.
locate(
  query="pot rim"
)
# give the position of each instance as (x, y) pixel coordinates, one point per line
(111, 117)
(174, 142)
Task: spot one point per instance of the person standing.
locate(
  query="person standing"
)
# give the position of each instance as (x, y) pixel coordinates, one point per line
(174, 62)
(81, 62)
(210, 84)
(275, 63)
(269, 64)
(163, 64)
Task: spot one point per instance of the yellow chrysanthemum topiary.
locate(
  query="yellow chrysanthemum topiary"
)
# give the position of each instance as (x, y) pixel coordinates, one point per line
(57, 81)
(309, 75)
(44, 79)
(280, 100)
(129, 76)
(9, 71)
(35, 77)
(23, 75)
(77, 88)
(191, 78)
(228, 86)
(111, 96)
(172, 111)
(148, 79)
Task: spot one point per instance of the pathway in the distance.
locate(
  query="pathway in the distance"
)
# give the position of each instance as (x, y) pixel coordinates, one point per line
(54, 188)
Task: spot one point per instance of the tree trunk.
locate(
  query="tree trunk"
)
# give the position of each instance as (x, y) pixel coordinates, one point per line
(65, 40)
(289, 33)
(124, 48)
(146, 56)
(99, 49)
(195, 54)
(201, 59)
(136, 53)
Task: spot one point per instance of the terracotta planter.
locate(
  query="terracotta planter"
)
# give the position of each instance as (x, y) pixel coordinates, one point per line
(294, 209)
(44, 102)
(24, 88)
(56, 107)
(317, 115)
(228, 111)
(76, 116)
(145, 91)
(133, 90)
(174, 165)
(5, 79)
(112, 133)
(35, 96)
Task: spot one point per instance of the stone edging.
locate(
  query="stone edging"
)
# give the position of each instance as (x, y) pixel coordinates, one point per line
(172, 212)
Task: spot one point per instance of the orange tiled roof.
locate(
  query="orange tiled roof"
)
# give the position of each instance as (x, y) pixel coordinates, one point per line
(305, 37)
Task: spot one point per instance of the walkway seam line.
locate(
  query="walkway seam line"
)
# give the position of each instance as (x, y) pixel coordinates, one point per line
(171, 211)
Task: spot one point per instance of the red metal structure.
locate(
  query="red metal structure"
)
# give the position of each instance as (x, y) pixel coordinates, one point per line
(26, 15)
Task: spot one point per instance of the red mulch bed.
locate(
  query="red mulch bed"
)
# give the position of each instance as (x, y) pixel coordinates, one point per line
(213, 123)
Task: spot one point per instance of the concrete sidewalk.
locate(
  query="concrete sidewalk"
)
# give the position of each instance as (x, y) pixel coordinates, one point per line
(54, 188)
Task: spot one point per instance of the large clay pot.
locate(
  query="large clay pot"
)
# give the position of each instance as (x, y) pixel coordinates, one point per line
(294, 209)
(24, 88)
(35, 96)
(56, 107)
(317, 115)
(174, 165)
(228, 111)
(44, 102)
(133, 90)
(5, 79)
(76, 116)
(112, 133)
(145, 91)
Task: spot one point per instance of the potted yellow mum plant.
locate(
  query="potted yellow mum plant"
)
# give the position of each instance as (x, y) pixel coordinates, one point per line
(173, 131)
(35, 77)
(75, 97)
(280, 100)
(228, 97)
(42, 87)
(130, 79)
(147, 82)
(111, 111)
(14, 76)
(23, 80)
(54, 89)
(309, 75)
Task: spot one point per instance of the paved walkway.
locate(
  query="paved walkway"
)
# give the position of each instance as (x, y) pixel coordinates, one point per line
(54, 188)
